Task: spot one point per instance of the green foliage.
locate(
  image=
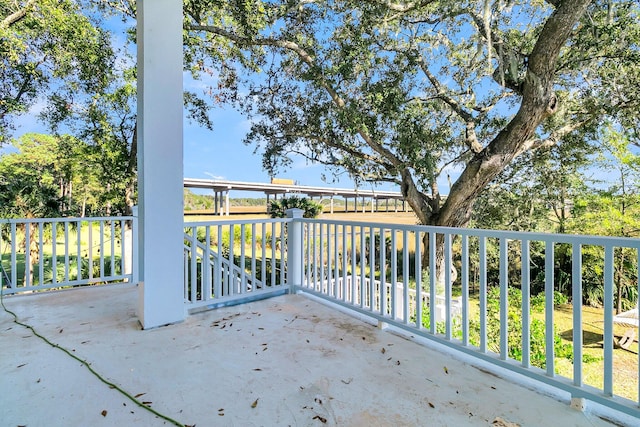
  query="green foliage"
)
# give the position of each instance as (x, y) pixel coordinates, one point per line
(537, 327)
(30, 178)
(225, 240)
(48, 45)
(390, 93)
(278, 208)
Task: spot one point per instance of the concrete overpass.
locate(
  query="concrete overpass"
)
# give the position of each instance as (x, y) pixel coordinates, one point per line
(221, 189)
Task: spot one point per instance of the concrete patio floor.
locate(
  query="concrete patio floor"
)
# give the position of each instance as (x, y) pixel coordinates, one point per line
(285, 361)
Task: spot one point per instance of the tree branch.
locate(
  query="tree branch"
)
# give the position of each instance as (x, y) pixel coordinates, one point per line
(17, 15)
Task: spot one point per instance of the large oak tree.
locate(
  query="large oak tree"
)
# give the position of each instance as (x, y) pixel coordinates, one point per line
(410, 92)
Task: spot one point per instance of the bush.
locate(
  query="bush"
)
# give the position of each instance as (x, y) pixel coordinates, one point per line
(278, 208)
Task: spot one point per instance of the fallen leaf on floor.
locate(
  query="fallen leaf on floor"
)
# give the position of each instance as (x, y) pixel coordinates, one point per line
(61, 331)
(38, 381)
(500, 422)
(261, 329)
(493, 387)
(221, 410)
(20, 366)
(323, 420)
(257, 369)
(383, 351)
(446, 371)
(431, 405)
(255, 403)
(398, 362)
(139, 394)
(104, 413)
(347, 381)
(147, 403)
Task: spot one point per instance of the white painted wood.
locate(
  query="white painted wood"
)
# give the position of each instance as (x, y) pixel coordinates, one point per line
(160, 162)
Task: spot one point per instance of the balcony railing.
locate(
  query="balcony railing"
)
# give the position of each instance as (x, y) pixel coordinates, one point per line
(495, 298)
(42, 254)
(229, 261)
(484, 304)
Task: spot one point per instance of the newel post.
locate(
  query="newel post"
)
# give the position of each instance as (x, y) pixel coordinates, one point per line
(294, 249)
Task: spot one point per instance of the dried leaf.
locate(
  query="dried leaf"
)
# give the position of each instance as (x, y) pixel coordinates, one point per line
(221, 410)
(446, 371)
(431, 405)
(323, 420)
(257, 369)
(347, 381)
(104, 412)
(139, 394)
(147, 403)
(383, 351)
(255, 403)
(61, 331)
(20, 366)
(398, 362)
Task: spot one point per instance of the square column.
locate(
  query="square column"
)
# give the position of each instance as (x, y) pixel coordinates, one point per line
(160, 176)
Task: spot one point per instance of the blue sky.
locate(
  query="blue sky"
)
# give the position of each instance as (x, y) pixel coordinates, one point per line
(217, 154)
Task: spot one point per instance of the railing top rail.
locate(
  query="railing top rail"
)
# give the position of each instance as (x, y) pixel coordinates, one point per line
(235, 222)
(64, 219)
(477, 232)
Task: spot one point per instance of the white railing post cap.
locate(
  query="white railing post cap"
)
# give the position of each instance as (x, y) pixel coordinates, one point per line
(294, 213)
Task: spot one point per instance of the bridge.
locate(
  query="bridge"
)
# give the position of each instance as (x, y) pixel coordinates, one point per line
(281, 187)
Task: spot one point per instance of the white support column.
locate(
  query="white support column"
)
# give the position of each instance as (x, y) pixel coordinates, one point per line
(295, 263)
(226, 203)
(160, 187)
(331, 203)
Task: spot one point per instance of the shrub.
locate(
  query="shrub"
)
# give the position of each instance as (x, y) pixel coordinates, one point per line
(278, 208)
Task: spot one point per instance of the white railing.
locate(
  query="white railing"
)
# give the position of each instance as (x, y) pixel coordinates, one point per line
(384, 271)
(227, 262)
(41, 254)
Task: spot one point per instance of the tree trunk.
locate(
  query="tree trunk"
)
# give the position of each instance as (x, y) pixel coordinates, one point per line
(131, 172)
(538, 102)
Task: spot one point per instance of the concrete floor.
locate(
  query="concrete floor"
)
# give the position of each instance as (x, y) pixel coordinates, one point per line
(286, 361)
